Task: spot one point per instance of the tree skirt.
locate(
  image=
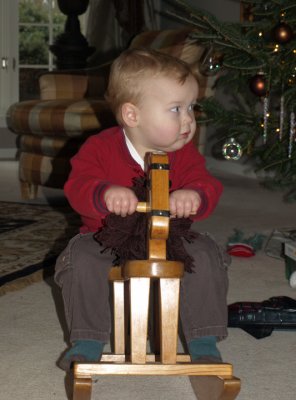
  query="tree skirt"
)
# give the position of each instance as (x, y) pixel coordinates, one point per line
(31, 237)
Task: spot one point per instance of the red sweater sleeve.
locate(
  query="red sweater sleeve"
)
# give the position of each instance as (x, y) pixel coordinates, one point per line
(103, 160)
(87, 180)
(188, 171)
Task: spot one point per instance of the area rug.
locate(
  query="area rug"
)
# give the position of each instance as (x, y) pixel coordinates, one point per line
(31, 237)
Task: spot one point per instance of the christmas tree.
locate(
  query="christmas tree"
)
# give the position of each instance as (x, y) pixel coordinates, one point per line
(255, 59)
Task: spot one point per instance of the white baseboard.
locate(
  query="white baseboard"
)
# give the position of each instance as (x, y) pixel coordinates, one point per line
(3, 123)
(8, 154)
(232, 167)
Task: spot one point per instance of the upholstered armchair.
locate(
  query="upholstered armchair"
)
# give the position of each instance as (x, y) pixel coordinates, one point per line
(71, 107)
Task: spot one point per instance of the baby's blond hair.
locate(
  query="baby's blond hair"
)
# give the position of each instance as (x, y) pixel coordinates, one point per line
(132, 67)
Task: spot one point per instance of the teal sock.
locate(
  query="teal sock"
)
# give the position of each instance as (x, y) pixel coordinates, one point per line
(91, 349)
(204, 347)
(82, 350)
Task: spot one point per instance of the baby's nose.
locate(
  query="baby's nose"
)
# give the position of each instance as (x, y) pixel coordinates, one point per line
(188, 117)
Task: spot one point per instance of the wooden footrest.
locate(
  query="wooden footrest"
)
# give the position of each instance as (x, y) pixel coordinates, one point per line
(84, 370)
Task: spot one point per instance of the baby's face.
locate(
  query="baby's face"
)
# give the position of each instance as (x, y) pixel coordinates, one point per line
(166, 115)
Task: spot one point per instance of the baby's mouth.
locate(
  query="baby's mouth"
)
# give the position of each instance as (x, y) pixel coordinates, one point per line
(185, 134)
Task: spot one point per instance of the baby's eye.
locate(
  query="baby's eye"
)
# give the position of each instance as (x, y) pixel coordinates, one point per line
(175, 109)
(192, 106)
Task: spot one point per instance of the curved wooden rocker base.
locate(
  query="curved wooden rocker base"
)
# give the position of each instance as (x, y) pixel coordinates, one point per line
(209, 381)
(215, 387)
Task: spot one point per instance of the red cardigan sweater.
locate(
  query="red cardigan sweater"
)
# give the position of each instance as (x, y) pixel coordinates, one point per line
(104, 160)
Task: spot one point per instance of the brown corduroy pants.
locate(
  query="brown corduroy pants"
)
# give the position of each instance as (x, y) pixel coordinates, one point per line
(82, 273)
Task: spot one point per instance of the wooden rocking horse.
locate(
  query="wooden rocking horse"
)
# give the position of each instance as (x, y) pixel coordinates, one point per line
(138, 274)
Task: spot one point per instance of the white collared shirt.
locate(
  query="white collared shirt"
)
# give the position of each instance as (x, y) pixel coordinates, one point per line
(133, 152)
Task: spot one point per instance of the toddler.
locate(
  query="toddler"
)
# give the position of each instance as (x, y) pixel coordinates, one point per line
(152, 96)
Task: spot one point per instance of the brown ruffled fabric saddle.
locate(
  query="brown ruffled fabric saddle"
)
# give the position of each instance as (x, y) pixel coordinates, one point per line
(126, 237)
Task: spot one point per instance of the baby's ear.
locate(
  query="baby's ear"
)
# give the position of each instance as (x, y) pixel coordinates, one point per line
(129, 114)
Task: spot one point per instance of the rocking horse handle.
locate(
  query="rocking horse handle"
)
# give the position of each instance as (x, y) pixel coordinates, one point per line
(143, 207)
(159, 188)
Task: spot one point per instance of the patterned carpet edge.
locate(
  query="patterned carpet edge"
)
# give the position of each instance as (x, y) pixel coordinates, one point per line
(32, 236)
(21, 283)
(27, 276)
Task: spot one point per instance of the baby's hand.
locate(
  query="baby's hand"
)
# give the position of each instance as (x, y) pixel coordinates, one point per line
(120, 200)
(184, 202)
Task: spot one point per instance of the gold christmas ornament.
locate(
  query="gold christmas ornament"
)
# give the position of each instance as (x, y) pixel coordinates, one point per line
(282, 33)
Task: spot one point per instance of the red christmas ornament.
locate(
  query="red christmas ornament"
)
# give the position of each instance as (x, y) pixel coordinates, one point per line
(282, 33)
(258, 84)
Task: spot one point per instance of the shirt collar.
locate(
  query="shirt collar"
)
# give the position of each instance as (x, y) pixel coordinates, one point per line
(133, 152)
